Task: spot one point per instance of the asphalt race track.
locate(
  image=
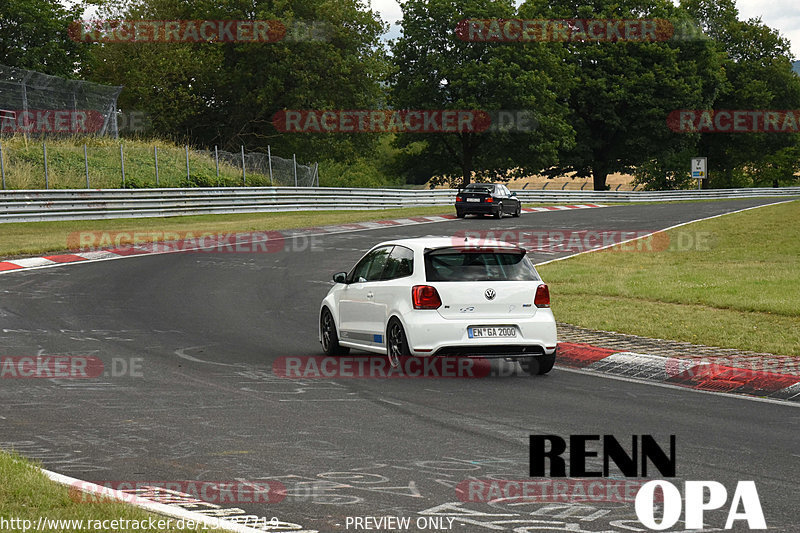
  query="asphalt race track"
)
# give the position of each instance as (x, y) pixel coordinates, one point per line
(202, 330)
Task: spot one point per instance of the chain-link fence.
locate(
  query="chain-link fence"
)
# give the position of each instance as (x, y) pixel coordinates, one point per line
(79, 162)
(284, 172)
(37, 104)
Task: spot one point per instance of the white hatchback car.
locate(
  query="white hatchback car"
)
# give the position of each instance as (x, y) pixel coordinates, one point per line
(441, 296)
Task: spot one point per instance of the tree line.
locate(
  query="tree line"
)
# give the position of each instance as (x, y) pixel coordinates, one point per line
(599, 106)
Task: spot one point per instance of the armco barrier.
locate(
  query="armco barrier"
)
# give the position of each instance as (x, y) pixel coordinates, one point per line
(87, 204)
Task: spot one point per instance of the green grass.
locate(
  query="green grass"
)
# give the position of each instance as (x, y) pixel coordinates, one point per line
(24, 165)
(27, 494)
(739, 288)
(31, 238)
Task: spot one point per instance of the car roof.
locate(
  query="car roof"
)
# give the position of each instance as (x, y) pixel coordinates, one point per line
(430, 243)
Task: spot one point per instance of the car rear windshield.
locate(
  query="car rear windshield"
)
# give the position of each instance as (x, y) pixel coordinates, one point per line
(478, 265)
(486, 189)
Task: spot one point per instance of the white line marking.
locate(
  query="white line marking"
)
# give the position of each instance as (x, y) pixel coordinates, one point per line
(659, 231)
(393, 403)
(180, 352)
(148, 505)
(329, 400)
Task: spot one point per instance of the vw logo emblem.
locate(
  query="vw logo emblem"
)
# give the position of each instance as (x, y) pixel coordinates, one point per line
(490, 294)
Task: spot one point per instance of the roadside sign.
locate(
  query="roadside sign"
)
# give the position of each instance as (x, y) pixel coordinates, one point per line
(699, 168)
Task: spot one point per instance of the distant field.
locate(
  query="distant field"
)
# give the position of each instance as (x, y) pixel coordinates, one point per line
(622, 182)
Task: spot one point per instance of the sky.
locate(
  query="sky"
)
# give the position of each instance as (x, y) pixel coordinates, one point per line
(783, 15)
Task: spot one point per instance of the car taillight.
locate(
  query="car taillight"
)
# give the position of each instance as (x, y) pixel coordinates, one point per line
(490, 199)
(542, 298)
(425, 297)
(458, 199)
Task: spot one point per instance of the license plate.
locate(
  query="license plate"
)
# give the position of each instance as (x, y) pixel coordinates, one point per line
(481, 332)
(473, 199)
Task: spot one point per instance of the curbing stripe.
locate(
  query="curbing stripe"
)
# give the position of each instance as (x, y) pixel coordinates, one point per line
(150, 248)
(149, 505)
(682, 372)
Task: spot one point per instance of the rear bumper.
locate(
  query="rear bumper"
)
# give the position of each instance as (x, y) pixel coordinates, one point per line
(477, 207)
(429, 334)
(499, 351)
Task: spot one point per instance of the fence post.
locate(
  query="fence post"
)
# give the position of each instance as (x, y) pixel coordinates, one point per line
(216, 161)
(155, 156)
(545, 185)
(584, 184)
(188, 177)
(2, 166)
(269, 158)
(294, 160)
(563, 186)
(86, 164)
(122, 164)
(244, 177)
(46, 177)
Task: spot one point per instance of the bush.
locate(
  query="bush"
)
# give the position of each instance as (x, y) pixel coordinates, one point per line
(359, 173)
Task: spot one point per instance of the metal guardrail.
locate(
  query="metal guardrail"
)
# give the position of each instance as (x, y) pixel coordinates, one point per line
(88, 204)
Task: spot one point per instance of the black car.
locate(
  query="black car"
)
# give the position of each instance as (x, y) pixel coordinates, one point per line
(487, 199)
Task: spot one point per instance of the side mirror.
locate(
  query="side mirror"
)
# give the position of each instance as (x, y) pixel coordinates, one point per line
(340, 277)
(514, 194)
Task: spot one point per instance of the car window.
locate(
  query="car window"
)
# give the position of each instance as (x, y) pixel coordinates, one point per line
(480, 187)
(471, 265)
(399, 264)
(378, 263)
(359, 272)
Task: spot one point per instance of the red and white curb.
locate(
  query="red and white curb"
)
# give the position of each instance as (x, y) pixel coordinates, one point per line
(12, 265)
(698, 375)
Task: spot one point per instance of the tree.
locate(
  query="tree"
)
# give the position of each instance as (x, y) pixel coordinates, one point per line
(759, 76)
(625, 90)
(435, 69)
(34, 35)
(227, 93)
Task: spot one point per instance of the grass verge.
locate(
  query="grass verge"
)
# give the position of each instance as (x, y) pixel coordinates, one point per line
(732, 282)
(27, 494)
(33, 238)
(24, 165)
